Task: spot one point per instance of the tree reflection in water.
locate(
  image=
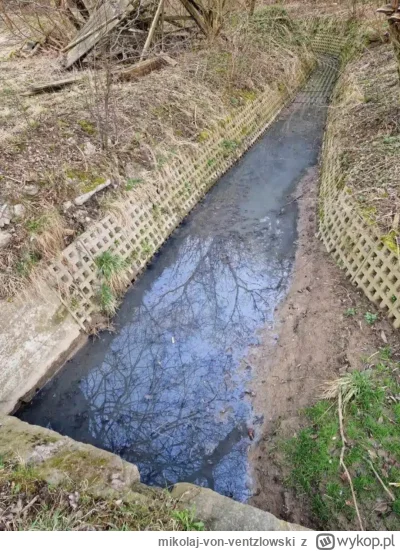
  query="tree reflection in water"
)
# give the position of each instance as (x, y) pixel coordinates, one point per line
(169, 395)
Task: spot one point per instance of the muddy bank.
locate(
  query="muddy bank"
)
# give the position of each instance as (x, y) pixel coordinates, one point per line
(312, 341)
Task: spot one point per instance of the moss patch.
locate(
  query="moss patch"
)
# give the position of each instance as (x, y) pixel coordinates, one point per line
(51, 508)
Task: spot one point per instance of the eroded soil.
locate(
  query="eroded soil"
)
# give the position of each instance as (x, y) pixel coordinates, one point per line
(312, 341)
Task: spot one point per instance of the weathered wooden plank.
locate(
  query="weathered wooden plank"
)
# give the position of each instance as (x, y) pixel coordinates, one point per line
(106, 17)
(83, 37)
(52, 86)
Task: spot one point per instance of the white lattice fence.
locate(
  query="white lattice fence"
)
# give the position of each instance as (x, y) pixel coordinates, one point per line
(353, 242)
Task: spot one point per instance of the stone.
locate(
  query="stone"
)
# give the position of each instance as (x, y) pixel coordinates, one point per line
(222, 513)
(82, 199)
(67, 205)
(5, 239)
(19, 210)
(31, 190)
(5, 215)
(135, 170)
(60, 459)
(89, 149)
(34, 340)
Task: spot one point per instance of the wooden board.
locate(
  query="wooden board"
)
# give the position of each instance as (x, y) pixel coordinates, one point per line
(106, 17)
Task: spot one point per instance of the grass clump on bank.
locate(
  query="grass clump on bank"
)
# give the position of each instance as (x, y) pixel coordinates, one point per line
(114, 277)
(371, 429)
(29, 503)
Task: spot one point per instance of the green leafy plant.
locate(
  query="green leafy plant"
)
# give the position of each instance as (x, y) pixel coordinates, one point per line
(370, 318)
(187, 520)
(350, 312)
(132, 183)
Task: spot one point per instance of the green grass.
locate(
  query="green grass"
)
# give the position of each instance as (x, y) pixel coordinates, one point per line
(109, 264)
(112, 270)
(37, 225)
(188, 521)
(132, 183)
(372, 430)
(87, 127)
(147, 248)
(107, 300)
(27, 262)
(48, 507)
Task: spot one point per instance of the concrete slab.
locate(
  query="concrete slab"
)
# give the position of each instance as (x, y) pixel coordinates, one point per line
(37, 334)
(220, 513)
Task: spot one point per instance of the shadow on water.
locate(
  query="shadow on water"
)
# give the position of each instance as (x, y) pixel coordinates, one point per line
(167, 390)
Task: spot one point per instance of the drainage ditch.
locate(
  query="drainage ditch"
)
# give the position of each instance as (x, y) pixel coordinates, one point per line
(170, 390)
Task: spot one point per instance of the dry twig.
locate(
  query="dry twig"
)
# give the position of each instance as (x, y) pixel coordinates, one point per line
(389, 493)
(342, 463)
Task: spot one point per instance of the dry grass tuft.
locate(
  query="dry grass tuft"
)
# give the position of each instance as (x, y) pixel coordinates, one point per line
(29, 503)
(342, 385)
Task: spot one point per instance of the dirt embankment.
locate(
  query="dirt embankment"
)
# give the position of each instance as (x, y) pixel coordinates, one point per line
(320, 334)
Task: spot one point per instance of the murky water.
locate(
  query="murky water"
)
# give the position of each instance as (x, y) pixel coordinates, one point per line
(170, 389)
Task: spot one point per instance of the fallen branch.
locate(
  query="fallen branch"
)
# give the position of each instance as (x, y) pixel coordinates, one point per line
(142, 68)
(342, 463)
(168, 60)
(192, 8)
(389, 493)
(82, 199)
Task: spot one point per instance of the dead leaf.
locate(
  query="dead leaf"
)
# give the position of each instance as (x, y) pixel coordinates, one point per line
(344, 477)
(383, 337)
(250, 432)
(381, 507)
